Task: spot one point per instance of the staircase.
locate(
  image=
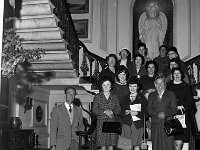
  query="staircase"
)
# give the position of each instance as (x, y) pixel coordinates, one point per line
(45, 24)
(38, 28)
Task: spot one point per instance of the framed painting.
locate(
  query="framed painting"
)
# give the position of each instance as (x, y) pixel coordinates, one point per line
(81, 27)
(78, 6)
(39, 113)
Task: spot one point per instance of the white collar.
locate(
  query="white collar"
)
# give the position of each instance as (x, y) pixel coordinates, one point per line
(67, 106)
(175, 82)
(161, 94)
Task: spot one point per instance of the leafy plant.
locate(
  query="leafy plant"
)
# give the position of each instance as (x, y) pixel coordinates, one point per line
(13, 53)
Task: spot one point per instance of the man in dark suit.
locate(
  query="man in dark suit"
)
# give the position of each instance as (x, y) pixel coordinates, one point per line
(66, 119)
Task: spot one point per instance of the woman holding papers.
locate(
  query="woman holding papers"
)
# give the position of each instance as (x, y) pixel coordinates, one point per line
(133, 108)
(184, 101)
(161, 104)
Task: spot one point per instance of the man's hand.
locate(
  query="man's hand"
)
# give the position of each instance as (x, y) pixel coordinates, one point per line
(161, 115)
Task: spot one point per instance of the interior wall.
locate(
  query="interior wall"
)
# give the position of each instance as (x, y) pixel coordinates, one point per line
(186, 27)
(195, 28)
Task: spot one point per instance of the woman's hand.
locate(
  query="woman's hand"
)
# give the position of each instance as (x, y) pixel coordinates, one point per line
(161, 115)
(109, 113)
(127, 112)
(132, 112)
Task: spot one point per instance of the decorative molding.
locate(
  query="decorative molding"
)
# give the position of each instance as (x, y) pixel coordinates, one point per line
(174, 22)
(103, 24)
(189, 32)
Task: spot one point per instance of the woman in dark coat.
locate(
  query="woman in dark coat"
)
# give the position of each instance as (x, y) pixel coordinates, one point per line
(133, 128)
(106, 107)
(110, 69)
(184, 101)
(161, 104)
(147, 80)
(138, 69)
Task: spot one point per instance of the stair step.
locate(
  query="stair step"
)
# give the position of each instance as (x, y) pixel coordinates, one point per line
(56, 56)
(57, 73)
(61, 81)
(40, 34)
(52, 65)
(43, 7)
(34, 2)
(47, 45)
(34, 22)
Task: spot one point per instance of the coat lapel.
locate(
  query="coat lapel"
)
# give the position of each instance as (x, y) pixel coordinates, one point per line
(75, 114)
(65, 113)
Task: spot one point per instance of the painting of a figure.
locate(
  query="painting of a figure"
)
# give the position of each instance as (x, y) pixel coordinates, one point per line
(152, 28)
(78, 6)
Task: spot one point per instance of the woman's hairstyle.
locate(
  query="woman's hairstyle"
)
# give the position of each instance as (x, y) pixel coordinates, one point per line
(174, 49)
(151, 62)
(145, 47)
(134, 80)
(104, 79)
(163, 46)
(176, 60)
(121, 69)
(139, 55)
(180, 70)
(111, 55)
(128, 52)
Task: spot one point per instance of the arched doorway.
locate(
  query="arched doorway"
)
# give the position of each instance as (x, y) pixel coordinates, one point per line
(164, 6)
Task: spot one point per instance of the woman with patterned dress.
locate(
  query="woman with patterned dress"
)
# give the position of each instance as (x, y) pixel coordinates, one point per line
(134, 128)
(106, 107)
(161, 104)
(184, 101)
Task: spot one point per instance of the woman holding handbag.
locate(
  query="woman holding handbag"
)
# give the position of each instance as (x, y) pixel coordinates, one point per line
(106, 107)
(134, 106)
(184, 101)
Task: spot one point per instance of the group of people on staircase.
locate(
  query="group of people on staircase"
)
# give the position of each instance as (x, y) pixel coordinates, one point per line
(132, 91)
(156, 85)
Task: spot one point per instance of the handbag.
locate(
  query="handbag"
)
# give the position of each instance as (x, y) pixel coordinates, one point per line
(112, 127)
(172, 127)
(124, 143)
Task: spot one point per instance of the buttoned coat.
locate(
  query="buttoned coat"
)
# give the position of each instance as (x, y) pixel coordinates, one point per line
(100, 104)
(61, 129)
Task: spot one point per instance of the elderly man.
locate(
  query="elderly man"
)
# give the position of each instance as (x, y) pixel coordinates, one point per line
(66, 119)
(161, 104)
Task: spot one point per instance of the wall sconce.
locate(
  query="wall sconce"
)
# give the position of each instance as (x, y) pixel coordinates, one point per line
(28, 105)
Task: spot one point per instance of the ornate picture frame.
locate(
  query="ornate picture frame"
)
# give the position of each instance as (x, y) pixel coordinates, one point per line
(39, 114)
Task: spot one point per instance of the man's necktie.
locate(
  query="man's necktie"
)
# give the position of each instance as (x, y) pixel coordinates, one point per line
(70, 108)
